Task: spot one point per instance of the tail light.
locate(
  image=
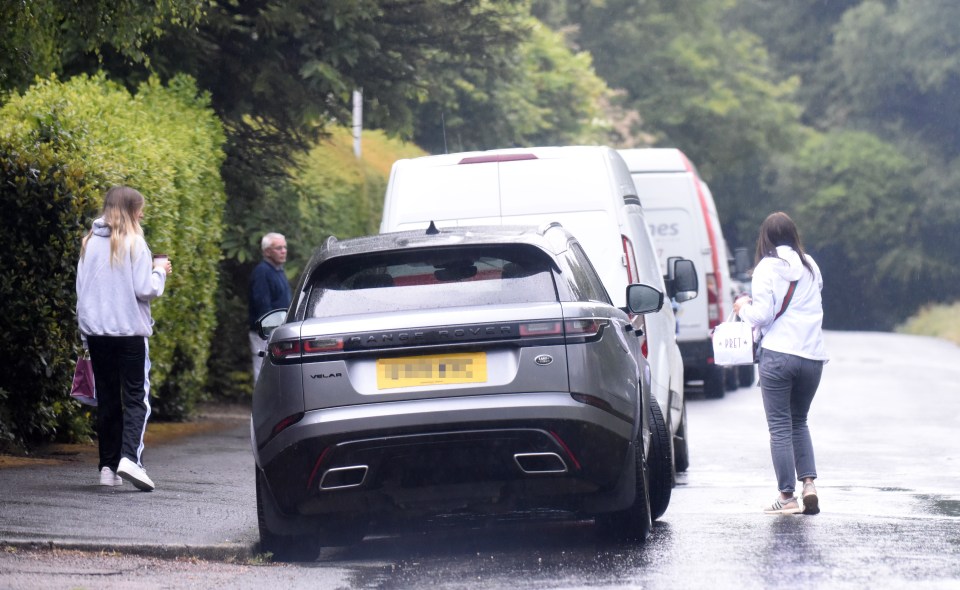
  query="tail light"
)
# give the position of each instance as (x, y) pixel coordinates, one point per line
(633, 276)
(573, 331)
(630, 260)
(560, 331)
(713, 301)
(284, 349)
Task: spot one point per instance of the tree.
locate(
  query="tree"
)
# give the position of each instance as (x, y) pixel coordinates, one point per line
(883, 231)
(547, 95)
(901, 69)
(38, 37)
(710, 91)
(799, 38)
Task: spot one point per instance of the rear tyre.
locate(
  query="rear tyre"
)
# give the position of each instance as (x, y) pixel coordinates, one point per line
(730, 379)
(681, 457)
(713, 382)
(660, 462)
(745, 374)
(634, 523)
(283, 547)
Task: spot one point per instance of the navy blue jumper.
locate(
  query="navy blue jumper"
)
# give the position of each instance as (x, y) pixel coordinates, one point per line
(269, 290)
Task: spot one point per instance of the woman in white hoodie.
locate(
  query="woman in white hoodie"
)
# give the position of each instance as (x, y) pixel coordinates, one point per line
(786, 310)
(116, 280)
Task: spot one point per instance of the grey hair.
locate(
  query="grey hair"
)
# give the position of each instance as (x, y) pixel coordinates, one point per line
(267, 239)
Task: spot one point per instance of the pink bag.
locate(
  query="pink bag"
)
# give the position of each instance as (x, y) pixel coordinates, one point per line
(84, 390)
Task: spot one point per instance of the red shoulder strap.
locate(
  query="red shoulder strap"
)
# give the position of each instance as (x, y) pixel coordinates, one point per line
(786, 299)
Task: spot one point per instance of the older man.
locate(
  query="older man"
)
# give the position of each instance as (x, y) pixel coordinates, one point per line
(269, 290)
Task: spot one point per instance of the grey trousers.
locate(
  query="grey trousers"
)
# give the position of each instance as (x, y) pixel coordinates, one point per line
(788, 383)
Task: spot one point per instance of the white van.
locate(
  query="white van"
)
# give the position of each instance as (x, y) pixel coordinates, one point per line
(684, 222)
(588, 190)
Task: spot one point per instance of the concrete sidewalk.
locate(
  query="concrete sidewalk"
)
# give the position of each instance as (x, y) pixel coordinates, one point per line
(204, 504)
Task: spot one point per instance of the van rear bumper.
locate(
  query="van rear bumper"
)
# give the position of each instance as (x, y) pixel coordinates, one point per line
(697, 357)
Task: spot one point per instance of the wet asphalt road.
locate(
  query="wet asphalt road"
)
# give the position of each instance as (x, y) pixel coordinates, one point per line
(885, 432)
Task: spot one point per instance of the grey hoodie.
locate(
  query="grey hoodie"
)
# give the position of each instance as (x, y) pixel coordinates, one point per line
(115, 300)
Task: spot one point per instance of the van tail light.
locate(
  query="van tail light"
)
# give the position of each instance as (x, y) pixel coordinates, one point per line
(485, 159)
(713, 301)
(629, 260)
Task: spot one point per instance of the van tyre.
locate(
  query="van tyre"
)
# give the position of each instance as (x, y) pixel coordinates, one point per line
(633, 523)
(283, 547)
(713, 386)
(746, 375)
(660, 463)
(731, 380)
(681, 457)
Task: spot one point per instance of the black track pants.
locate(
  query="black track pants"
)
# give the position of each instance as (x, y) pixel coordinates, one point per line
(121, 368)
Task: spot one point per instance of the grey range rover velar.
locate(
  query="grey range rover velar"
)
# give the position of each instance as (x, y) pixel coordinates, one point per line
(469, 370)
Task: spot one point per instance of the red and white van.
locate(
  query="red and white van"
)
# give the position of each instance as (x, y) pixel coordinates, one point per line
(683, 221)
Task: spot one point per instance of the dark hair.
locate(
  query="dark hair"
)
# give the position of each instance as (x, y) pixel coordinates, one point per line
(779, 230)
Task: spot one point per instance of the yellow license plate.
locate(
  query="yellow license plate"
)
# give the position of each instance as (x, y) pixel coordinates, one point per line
(435, 369)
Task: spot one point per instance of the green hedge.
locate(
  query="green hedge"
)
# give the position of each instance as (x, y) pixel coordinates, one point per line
(62, 144)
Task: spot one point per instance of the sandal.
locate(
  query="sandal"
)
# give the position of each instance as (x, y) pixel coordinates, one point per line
(781, 506)
(811, 504)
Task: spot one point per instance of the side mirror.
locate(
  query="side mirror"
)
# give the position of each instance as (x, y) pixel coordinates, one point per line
(643, 299)
(685, 284)
(269, 321)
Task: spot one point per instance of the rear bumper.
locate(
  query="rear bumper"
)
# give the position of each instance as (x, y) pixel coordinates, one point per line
(697, 357)
(479, 453)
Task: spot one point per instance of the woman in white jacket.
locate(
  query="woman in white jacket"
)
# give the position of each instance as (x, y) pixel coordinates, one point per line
(786, 309)
(116, 280)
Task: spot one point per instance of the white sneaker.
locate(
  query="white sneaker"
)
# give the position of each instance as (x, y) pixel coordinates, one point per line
(135, 474)
(109, 478)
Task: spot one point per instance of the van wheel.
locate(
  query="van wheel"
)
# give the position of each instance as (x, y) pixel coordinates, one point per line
(730, 378)
(283, 547)
(660, 463)
(713, 386)
(745, 374)
(681, 457)
(634, 523)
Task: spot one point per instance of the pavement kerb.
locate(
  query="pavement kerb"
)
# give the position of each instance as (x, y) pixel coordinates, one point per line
(230, 553)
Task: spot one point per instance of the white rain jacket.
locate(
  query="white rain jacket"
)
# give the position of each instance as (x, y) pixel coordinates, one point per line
(799, 331)
(115, 300)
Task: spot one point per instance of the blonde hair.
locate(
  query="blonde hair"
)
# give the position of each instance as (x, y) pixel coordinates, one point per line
(121, 213)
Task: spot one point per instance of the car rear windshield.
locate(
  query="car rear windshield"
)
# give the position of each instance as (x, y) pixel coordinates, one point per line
(430, 278)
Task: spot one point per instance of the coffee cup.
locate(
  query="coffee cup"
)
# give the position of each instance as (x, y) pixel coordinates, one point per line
(160, 260)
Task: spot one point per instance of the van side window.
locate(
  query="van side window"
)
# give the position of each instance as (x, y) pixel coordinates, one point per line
(585, 283)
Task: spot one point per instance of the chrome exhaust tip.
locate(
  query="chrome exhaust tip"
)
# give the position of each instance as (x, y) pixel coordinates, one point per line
(339, 478)
(539, 463)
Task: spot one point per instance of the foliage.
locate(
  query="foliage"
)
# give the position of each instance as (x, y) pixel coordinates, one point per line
(901, 68)
(799, 38)
(547, 96)
(699, 86)
(38, 36)
(858, 201)
(61, 146)
(939, 321)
